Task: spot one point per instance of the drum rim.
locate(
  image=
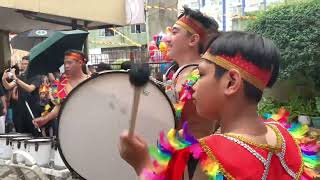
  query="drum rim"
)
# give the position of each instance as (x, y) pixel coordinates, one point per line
(75, 90)
(31, 141)
(22, 138)
(14, 135)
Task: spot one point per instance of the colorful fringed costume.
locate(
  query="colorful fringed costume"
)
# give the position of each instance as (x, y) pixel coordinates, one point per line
(59, 91)
(180, 96)
(185, 93)
(309, 147)
(230, 156)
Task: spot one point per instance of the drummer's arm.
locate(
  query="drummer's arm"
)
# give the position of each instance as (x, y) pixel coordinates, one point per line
(52, 114)
(29, 88)
(7, 85)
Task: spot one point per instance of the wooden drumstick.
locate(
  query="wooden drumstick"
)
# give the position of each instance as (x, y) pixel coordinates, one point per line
(29, 109)
(139, 76)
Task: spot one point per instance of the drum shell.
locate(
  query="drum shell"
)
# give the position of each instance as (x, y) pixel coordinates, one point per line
(5, 148)
(18, 144)
(40, 150)
(56, 158)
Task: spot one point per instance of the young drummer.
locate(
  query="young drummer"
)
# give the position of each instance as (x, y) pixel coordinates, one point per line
(238, 67)
(189, 37)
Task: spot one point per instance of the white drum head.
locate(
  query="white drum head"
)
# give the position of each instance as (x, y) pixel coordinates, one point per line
(94, 115)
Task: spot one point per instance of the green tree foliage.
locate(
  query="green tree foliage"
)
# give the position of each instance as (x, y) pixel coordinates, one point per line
(295, 28)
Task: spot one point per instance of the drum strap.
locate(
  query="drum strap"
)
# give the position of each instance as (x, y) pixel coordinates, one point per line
(192, 165)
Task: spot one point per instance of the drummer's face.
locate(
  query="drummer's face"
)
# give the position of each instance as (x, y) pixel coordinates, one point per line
(177, 42)
(208, 90)
(71, 66)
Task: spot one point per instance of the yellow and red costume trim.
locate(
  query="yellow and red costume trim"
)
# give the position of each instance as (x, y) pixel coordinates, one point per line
(192, 26)
(246, 160)
(308, 146)
(250, 72)
(172, 154)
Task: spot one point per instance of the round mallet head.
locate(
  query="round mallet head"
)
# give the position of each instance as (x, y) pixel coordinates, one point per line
(139, 74)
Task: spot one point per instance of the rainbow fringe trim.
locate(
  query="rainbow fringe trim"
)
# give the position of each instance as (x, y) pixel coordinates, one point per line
(166, 147)
(58, 90)
(309, 146)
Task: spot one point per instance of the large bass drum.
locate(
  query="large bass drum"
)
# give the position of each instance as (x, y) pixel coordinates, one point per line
(94, 115)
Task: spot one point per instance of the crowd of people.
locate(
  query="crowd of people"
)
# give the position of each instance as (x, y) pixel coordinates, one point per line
(218, 80)
(18, 91)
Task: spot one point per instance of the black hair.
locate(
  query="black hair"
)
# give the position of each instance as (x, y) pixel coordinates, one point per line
(103, 67)
(211, 26)
(26, 58)
(77, 52)
(260, 51)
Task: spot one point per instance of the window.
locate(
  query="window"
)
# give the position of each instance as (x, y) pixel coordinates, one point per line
(109, 32)
(138, 28)
(101, 32)
(203, 3)
(106, 32)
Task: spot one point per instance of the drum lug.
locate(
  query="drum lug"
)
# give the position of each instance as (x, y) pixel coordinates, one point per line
(25, 144)
(7, 141)
(19, 144)
(36, 146)
(56, 145)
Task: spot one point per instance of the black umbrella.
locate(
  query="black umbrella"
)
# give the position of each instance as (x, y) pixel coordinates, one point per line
(29, 39)
(48, 56)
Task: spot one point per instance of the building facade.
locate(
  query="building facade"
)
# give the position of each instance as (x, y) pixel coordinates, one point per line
(107, 45)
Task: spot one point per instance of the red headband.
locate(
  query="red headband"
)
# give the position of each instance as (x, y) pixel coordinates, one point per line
(75, 56)
(191, 26)
(249, 71)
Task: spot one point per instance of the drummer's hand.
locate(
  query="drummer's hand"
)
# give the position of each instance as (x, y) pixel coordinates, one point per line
(39, 122)
(13, 72)
(134, 151)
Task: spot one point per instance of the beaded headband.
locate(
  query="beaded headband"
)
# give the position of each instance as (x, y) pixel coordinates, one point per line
(191, 26)
(249, 71)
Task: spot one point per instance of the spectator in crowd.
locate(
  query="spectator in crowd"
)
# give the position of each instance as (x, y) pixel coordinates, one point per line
(25, 90)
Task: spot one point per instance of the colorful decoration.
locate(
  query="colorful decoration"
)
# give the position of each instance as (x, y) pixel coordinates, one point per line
(44, 89)
(181, 141)
(167, 147)
(158, 48)
(185, 93)
(58, 90)
(305, 139)
(47, 109)
(164, 67)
